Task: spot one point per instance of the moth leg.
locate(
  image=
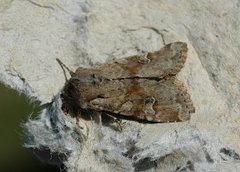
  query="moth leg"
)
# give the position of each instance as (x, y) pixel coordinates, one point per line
(100, 118)
(80, 123)
(97, 117)
(118, 121)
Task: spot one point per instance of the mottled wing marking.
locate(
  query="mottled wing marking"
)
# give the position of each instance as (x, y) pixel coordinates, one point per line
(167, 61)
(165, 100)
(140, 87)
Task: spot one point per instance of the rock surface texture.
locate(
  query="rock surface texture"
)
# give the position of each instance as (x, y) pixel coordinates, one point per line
(33, 33)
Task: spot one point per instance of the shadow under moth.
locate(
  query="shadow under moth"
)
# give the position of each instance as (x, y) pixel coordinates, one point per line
(142, 87)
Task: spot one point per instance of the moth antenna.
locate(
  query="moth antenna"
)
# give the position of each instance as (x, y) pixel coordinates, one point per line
(64, 66)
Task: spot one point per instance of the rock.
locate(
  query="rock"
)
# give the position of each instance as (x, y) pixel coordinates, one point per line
(34, 33)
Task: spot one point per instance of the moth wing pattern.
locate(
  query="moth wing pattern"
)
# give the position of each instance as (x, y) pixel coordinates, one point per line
(165, 100)
(169, 60)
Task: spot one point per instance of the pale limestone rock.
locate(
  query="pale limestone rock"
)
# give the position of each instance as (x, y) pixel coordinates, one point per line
(34, 33)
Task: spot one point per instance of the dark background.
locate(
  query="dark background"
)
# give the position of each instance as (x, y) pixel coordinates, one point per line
(14, 110)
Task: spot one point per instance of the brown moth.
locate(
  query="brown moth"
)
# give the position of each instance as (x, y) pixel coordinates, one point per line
(140, 87)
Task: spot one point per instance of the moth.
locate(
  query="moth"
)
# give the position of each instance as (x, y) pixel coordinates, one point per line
(142, 87)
